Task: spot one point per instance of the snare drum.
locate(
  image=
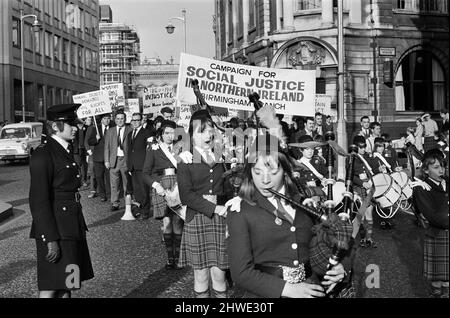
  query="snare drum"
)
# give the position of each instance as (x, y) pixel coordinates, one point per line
(387, 191)
(403, 181)
(338, 192)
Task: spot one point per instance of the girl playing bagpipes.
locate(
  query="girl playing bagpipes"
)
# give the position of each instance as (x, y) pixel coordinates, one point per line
(431, 200)
(269, 238)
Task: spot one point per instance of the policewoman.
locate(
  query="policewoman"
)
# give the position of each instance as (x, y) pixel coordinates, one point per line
(58, 225)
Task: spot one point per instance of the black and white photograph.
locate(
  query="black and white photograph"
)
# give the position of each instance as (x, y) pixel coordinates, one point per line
(247, 150)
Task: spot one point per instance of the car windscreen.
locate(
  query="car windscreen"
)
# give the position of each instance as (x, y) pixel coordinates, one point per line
(11, 133)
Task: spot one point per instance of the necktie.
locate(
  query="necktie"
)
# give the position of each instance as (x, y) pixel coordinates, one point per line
(283, 211)
(209, 158)
(170, 148)
(119, 140)
(134, 134)
(104, 130)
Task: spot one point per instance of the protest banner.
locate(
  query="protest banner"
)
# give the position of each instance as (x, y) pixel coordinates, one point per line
(131, 107)
(156, 97)
(222, 84)
(184, 116)
(323, 104)
(116, 95)
(92, 103)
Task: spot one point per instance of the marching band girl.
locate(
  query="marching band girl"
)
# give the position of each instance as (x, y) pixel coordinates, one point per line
(269, 239)
(381, 165)
(159, 172)
(432, 201)
(200, 184)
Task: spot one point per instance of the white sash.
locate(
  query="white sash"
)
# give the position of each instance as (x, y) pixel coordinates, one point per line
(365, 164)
(310, 167)
(379, 156)
(168, 154)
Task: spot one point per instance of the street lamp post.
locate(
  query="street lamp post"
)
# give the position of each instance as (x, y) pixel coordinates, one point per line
(36, 26)
(171, 28)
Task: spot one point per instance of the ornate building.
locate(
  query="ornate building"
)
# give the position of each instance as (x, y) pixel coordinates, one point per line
(396, 51)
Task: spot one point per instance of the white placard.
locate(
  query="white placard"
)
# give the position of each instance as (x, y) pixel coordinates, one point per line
(116, 95)
(131, 107)
(156, 97)
(222, 84)
(92, 103)
(323, 104)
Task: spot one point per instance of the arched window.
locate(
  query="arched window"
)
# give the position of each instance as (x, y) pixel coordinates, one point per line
(420, 83)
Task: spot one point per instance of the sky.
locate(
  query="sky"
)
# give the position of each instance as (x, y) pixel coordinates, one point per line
(150, 17)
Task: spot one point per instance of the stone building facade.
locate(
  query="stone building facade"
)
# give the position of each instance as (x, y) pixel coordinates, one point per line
(396, 51)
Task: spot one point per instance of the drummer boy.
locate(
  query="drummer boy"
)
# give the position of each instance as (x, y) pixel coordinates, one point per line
(361, 185)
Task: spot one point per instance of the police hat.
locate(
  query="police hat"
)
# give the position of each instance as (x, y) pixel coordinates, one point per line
(63, 112)
(166, 110)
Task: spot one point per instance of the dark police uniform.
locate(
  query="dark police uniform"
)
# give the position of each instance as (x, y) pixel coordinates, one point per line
(56, 210)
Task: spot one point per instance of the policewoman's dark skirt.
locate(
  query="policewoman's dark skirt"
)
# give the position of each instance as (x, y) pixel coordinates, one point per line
(53, 276)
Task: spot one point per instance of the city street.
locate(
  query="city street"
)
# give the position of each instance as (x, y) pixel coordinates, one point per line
(128, 257)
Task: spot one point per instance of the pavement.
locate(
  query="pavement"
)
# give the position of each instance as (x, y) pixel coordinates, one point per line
(128, 256)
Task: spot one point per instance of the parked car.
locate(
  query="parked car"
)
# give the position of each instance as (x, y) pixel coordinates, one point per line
(18, 141)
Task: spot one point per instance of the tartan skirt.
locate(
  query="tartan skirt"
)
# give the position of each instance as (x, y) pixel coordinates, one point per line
(435, 257)
(158, 202)
(203, 243)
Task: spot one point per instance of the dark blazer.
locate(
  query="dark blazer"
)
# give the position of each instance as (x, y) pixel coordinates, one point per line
(197, 179)
(255, 239)
(54, 171)
(433, 205)
(111, 144)
(99, 145)
(359, 168)
(155, 163)
(137, 149)
(307, 175)
(78, 142)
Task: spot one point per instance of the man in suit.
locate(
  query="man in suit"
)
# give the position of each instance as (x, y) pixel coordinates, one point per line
(79, 150)
(135, 155)
(365, 127)
(97, 140)
(115, 149)
(58, 226)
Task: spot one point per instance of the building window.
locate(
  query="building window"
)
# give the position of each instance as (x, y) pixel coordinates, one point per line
(87, 22)
(301, 5)
(48, 44)
(88, 59)
(94, 61)
(16, 33)
(80, 57)
(28, 37)
(57, 48)
(229, 21)
(73, 52)
(440, 6)
(252, 15)
(240, 18)
(37, 42)
(66, 49)
(420, 83)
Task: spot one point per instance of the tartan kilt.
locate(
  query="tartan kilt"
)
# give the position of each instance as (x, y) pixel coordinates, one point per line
(435, 257)
(203, 243)
(158, 202)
